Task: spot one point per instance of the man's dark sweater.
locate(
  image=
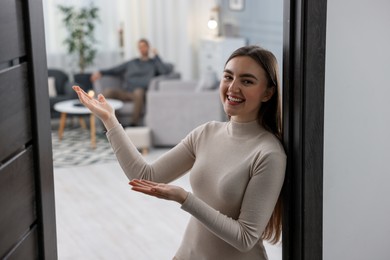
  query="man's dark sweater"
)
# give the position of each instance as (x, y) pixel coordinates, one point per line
(137, 73)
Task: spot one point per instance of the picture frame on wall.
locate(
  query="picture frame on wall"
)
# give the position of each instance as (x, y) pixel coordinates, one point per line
(236, 5)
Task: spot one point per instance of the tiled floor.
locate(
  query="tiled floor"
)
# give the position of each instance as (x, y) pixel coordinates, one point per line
(99, 217)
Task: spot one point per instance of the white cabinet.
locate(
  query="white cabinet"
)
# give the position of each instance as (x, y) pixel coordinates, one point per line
(213, 53)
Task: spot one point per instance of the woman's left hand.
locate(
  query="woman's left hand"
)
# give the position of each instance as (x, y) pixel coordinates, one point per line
(159, 190)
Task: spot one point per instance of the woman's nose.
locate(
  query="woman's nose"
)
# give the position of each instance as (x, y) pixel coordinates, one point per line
(234, 86)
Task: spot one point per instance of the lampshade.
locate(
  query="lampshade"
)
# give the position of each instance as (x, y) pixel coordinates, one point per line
(212, 23)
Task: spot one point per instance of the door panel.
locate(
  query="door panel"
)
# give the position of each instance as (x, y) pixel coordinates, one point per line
(15, 116)
(12, 37)
(27, 221)
(17, 197)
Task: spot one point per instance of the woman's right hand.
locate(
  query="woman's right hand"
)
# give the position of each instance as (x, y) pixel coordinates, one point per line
(99, 107)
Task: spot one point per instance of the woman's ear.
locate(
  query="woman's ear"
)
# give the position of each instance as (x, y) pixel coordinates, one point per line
(269, 92)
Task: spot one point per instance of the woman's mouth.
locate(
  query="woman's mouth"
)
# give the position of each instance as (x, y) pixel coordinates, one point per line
(235, 100)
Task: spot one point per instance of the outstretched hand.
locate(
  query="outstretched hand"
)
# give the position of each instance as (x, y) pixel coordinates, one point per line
(159, 190)
(99, 107)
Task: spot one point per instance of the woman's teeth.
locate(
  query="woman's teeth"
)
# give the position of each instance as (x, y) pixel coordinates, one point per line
(238, 100)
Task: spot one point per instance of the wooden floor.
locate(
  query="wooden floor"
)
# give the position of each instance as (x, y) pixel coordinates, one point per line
(99, 217)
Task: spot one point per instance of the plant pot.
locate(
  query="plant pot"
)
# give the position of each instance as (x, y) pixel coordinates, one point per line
(84, 81)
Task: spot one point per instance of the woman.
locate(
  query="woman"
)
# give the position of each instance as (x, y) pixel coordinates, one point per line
(237, 167)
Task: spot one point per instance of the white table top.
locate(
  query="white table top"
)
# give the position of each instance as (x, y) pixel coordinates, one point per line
(74, 106)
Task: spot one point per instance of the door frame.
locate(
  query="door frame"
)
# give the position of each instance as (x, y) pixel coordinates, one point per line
(304, 42)
(34, 26)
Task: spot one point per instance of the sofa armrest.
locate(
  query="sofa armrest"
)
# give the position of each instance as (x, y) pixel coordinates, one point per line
(107, 82)
(156, 81)
(177, 86)
(172, 115)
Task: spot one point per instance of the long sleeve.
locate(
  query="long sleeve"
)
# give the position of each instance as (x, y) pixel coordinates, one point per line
(237, 172)
(236, 181)
(167, 168)
(116, 71)
(257, 206)
(161, 68)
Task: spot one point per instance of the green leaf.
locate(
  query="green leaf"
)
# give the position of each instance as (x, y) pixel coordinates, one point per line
(80, 24)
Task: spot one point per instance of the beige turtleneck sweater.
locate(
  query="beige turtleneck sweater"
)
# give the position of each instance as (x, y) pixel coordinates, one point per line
(236, 174)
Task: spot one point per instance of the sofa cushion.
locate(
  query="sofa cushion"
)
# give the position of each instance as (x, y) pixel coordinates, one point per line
(51, 82)
(207, 81)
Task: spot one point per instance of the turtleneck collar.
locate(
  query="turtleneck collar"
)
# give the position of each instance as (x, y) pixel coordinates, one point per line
(244, 130)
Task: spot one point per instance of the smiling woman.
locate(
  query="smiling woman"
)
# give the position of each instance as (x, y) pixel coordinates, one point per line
(261, 83)
(236, 168)
(244, 88)
(162, 29)
(31, 221)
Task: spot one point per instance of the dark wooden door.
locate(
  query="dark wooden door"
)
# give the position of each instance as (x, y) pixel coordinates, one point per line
(303, 121)
(27, 218)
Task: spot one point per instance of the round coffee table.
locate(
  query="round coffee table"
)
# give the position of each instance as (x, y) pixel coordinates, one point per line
(74, 107)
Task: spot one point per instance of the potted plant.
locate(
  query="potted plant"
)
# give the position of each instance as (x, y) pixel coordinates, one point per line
(80, 41)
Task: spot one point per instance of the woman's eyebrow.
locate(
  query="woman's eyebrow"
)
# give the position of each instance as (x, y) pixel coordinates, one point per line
(228, 71)
(244, 75)
(248, 75)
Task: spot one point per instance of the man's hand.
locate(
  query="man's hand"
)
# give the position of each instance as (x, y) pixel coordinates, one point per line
(154, 52)
(159, 190)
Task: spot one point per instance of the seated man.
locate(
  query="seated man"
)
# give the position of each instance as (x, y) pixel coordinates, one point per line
(137, 74)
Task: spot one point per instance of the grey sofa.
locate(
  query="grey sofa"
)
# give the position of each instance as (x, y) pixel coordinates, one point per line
(124, 114)
(177, 107)
(63, 88)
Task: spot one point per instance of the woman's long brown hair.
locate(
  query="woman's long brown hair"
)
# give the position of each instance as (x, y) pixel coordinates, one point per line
(270, 117)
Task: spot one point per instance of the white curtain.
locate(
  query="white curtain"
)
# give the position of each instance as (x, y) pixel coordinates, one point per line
(165, 25)
(106, 35)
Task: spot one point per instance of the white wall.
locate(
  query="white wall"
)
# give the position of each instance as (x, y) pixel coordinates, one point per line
(357, 131)
(261, 23)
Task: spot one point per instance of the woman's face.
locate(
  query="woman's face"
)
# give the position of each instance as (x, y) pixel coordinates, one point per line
(243, 88)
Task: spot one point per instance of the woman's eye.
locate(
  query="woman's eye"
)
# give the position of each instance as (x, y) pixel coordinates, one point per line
(247, 82)
(227, 77)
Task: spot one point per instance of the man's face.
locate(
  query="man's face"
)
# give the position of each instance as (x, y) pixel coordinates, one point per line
(143, 48)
